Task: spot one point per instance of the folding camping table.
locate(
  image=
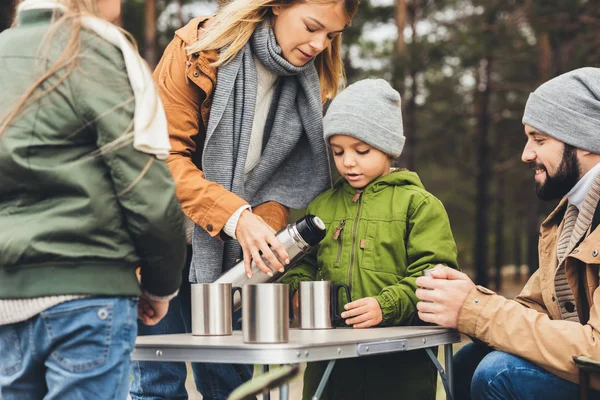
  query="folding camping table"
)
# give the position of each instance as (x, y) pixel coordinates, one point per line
(303, 346)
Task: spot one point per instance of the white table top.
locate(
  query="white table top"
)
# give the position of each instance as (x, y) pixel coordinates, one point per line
(303, 345)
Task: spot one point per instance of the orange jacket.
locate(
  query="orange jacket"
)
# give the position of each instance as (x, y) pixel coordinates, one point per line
(530, 326)
(186, 85)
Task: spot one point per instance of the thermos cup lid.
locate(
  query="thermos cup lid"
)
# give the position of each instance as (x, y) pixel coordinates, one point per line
(311, 228)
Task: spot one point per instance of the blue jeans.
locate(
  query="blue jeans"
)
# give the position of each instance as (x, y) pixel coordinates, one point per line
(481, 373)
(166, 380)
(79, 349)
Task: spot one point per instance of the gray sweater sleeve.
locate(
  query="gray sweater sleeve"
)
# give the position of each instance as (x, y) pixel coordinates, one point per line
(143, 184)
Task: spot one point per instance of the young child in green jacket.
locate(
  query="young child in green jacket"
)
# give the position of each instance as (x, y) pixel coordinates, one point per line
(383, 230)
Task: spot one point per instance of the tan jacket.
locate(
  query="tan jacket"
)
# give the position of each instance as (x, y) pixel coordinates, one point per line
(530, 326)
(186, 85)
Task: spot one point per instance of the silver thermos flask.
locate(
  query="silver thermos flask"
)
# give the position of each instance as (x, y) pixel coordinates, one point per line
(297, 238)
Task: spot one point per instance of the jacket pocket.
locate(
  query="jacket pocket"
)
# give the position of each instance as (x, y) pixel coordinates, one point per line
(382, 249)
(80, 332)
(11, 357)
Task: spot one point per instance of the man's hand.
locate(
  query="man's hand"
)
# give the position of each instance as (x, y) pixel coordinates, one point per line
(151, 311)
(258, 241)
(442, 295)
(363, 313)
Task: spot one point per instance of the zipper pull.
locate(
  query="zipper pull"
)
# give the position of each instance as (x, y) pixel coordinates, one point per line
(356, 196)
(338, 230)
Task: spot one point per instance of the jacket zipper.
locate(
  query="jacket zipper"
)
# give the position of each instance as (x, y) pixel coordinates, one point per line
(355, 199)
(337, 235)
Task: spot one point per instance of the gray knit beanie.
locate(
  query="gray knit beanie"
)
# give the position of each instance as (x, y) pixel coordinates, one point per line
(568, 109)
(368, 110)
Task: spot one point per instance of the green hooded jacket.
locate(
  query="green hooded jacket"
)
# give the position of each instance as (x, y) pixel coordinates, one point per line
(378, 241)
(74, 219)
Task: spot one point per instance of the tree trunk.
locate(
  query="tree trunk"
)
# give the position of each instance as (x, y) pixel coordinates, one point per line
(544, 57)
(410, 120)
(399, 48)
(517, 237)
(499, 232)
(545, 72)
(484, 172)
(533, 238)
(150, 33)
(180, 13)
(399, 56)
(400, 24)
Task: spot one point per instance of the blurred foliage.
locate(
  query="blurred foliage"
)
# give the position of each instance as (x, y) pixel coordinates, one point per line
(465, 74)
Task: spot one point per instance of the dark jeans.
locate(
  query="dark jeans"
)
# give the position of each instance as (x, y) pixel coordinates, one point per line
(481, 373)
(166, 380)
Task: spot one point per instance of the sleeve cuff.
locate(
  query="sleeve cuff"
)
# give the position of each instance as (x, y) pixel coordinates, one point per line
(231, 224)
(159, 298)
(468, 317)
(388, 309)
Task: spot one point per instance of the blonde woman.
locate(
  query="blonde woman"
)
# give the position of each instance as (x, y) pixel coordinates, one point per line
(243, 94)
(84, 200)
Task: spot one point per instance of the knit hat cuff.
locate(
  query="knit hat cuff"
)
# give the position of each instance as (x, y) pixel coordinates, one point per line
(564, 124)
(350, 124)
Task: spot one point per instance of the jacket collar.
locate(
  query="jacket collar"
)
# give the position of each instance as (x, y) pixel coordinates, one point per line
(396, 177)
(190, 32)
(30, 17)
(556, 216)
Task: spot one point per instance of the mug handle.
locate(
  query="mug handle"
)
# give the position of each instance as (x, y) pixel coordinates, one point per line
(335, 300)
(233, 290)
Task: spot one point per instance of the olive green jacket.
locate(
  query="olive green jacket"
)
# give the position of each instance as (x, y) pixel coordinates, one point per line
(74, 219)
(378, 241)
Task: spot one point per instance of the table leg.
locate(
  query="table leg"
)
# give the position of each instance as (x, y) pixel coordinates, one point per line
(266, 392)
(440, 369)
(448, 357)
(324, 380)
(284, 391)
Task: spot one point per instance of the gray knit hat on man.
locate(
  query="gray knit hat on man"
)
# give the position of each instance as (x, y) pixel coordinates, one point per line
(368, 110)
(568, 109)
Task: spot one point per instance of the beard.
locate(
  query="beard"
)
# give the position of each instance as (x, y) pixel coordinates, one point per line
(559, 184)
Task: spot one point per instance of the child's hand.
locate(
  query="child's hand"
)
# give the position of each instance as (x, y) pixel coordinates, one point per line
(295, 305)
(365, 312)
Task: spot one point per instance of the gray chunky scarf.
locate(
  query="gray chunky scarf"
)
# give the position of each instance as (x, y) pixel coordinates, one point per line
(293, 168)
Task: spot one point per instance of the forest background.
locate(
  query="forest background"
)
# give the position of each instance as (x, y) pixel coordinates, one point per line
(464, 69)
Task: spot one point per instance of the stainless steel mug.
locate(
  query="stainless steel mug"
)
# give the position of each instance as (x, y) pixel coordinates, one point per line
(298, 238)
(265, 313)
(318, 303)
(212, 309)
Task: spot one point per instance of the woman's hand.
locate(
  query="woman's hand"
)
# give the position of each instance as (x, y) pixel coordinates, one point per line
(363, 313)
(259, 244)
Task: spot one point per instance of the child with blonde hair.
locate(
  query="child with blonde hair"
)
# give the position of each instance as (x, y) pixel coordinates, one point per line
(85, 198)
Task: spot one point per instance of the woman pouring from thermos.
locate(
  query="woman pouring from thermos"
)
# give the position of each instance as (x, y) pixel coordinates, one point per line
(243, 93)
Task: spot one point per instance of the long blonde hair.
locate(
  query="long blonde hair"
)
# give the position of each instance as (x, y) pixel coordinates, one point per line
(70, 16)
(236, 22)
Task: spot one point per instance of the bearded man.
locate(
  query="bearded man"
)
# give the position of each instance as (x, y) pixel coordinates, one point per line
(524, 348)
